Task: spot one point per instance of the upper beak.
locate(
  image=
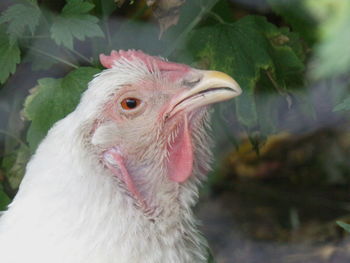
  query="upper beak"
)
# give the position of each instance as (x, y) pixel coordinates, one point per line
(213, 87)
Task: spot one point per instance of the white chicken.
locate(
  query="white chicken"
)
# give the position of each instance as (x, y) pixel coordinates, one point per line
(115, 180)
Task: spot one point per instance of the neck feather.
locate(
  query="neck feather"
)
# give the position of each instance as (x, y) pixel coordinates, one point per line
(72, 205)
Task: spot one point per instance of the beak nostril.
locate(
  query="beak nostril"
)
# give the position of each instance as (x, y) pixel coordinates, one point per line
(192, 79)
(190, 83)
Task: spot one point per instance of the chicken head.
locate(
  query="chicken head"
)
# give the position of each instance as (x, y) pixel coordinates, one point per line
(153, 122)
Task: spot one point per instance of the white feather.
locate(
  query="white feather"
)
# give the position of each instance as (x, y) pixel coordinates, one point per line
(70, 209)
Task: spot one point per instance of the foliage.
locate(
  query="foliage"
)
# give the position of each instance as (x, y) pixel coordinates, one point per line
(344, 105)
(75, 22)
(4, 199)
(343, 225)
(9, 56)
(15, 163)
(210, 258)
(332, 54)
(19, 17)
(52, 100)
(259, 48)
(276, 57)
(296, 14)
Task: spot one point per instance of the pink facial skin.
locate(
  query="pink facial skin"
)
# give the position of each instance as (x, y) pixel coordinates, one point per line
(181, 155)
(180, 163)
(115, 162)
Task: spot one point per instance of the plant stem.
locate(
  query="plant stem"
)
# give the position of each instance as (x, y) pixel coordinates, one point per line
(279, 90)
(35, 37)
(108, 33)
(12, 136)
(217, 17)
(203, 11)
(54, 57)
(71, 50)
(80, 55)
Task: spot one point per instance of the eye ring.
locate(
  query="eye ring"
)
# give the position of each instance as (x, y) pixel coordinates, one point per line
(130, 103)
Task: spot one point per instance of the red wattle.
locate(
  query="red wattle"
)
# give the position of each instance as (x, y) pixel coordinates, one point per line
(181, 155)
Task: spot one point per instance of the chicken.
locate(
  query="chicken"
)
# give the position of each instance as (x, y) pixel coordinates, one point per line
(116, 179)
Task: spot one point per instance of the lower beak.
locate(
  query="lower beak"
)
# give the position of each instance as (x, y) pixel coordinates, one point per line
(213, 87)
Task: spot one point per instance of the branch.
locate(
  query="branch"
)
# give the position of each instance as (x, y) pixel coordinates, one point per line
(203, 11)
(54, 57)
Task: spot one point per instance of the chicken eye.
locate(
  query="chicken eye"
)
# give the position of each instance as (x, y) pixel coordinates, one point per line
(130, 103)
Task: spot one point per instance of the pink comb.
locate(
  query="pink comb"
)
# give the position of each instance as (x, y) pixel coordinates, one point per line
(150, 61)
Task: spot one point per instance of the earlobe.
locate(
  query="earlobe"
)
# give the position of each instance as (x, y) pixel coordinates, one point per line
(105, 134)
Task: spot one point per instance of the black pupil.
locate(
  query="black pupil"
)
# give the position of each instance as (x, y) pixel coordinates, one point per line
(131, 103)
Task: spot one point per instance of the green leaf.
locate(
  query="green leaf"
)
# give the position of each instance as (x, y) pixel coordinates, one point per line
(332, 54)
(192, 13)
(343, 225)
(15, 125)
(75, 22)
(210, 257)
(9, 56)
(248, 50)
(4, 199)
(104, 8)
(343, 106)
(15, 164)
(295, 13)
(19, 17)
(52, 100)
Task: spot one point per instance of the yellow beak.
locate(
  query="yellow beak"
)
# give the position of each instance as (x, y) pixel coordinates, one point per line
(213, 87)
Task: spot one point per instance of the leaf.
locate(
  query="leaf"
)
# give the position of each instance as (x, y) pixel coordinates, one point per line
(19, 17)
(74, 22)
(343, 106)
(210, 256)
(9, 56)
(343, 225)
(15, 125)
(4, 200)
(248, 49)
(192, 13)
(14, 165)
(332, 54)
(104, 8)
(52, 100)
(295, 13)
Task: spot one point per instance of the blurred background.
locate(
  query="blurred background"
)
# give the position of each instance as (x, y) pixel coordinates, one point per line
(281, 174)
